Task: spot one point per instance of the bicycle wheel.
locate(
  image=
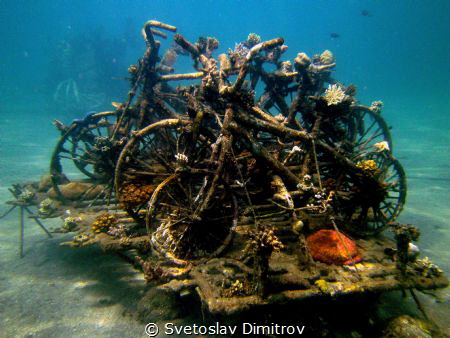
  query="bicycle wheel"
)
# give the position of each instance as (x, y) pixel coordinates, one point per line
(152, 154)
(178, 231)
(378, 196)
(176, 167)
(366, 129)
(85, 152)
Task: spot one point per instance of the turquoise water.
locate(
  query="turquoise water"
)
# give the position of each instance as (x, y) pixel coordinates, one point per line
(397, 53)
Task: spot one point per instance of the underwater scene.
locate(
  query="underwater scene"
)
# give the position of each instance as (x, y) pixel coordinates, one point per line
(224, 168)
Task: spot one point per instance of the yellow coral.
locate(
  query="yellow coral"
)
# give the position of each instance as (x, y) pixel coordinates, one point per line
(322, 285)
(334, 95)
(326, 58)
(329, 288)
(103, 222)
(302, 60)
(369, 166)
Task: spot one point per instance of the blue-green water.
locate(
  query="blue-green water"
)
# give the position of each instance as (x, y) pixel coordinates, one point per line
(397, 53)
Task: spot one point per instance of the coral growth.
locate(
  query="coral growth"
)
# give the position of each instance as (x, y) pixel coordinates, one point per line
(264, 239)
(332, 247)
(286, 67)
(133, 195)
(406, 326)
(151, 271)
(334, 95)
(376, 106)
(46, 208)
(71, 223)
(181, 159)
(320, 203)
(306, 183)
(261, 244)
(253, 39)
(328, 287)
(382, 146)
(238, 288)
(26, 196)
(117, 231)
(302, 61)
(81, 238)
(103, 222)
(326, 58)
(368, 166)
(427, 268)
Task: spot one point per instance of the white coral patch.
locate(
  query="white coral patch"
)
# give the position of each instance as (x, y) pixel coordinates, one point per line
(334, 95)
(181, 158)
(382, 146)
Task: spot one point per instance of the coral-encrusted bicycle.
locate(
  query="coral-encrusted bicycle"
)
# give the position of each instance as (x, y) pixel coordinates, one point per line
(188, 162)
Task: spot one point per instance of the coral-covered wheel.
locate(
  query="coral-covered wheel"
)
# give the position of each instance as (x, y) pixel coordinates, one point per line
(85, 152)
(153, 154)
(367, 128)
(378, 194)
(349, 129)
(180, 229)
(146, 161)
(168, 167)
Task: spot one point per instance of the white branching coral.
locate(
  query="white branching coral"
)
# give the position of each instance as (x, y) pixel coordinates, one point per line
(382, 146)
(334, 95)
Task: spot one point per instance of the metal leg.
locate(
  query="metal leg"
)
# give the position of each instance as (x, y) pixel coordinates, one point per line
(39, 222)
(23, 207)
(6, 213)
(21, 232)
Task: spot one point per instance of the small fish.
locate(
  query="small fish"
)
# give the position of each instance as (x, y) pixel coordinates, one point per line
(365, 12)
(335, 35)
